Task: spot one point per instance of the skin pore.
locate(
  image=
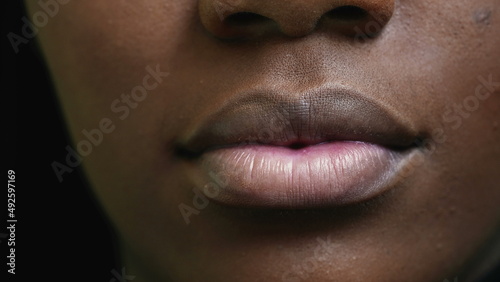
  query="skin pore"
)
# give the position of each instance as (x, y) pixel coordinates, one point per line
(433, 65)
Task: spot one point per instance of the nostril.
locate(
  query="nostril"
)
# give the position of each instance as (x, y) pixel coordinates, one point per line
(252, 19)
(245, 18)
(348, 13)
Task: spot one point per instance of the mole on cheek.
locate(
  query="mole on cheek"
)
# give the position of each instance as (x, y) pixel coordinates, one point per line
(482, 16)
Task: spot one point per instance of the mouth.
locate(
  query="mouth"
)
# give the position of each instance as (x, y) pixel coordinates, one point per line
(322, 148)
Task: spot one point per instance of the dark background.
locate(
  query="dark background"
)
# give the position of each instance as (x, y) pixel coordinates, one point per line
(61, 233)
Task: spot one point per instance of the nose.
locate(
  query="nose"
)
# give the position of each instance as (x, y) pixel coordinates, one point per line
(230, 19)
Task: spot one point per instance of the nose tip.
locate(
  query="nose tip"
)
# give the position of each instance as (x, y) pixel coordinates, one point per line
(294, 18)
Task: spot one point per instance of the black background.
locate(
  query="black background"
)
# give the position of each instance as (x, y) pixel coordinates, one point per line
(61, 233)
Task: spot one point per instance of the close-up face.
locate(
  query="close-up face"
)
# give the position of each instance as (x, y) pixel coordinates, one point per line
(300, 140)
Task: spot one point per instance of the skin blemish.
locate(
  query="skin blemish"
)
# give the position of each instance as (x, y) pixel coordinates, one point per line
(482, 16)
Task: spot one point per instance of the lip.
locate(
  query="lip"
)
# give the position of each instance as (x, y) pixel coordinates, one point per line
(319, 148)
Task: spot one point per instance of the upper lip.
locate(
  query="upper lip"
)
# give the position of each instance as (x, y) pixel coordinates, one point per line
(319, 115)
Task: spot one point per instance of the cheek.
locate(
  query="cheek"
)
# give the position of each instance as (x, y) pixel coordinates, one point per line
(99, 51)
(449, 63)
(457, 87)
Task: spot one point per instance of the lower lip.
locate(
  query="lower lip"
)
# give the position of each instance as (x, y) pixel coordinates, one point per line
(328, 174)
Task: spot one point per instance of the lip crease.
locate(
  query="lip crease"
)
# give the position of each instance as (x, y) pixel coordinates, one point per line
(320, 148)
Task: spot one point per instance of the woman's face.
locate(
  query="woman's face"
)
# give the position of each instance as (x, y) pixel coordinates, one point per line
(286, 140)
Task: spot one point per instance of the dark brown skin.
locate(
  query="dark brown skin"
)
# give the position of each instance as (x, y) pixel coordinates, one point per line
(440, 221)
